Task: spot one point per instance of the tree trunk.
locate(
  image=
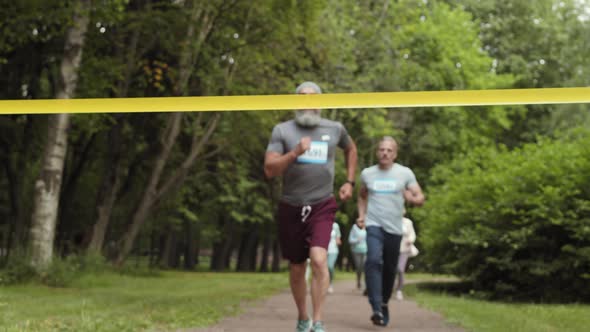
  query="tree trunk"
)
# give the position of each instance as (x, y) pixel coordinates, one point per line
(48, 185)
(276, 257)
(109, 188)
(248, 252)
(221, 258)
(75, 162)
(228, 250)
(15, 227)
(274, 187)
(192, 48)
(111, 181)
(130, 64)
(197, 240)
(47, 189)
(215, 264)
(190, 247)
(253, 256)
(162, 238)
(149, 198)
(104, 208)
(17, 165)
(170, 256)
(265, 251)
(73, 51)
(151, 194)
(153, 255)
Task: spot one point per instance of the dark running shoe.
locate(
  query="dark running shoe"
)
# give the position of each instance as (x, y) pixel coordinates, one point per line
(385, 311)
(377, 319)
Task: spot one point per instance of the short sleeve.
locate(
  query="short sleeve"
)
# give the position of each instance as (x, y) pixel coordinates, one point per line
(410, 178)
(344, 139)
(364, 178)
(276, 142)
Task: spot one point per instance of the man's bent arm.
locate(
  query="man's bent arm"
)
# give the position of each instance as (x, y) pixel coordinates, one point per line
(414, 195)
(276, 164)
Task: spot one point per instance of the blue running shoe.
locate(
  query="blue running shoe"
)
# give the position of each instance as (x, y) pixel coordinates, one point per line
(318, 327)
(303, 325)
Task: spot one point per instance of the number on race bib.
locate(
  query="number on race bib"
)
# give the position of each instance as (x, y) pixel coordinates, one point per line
(317, 154)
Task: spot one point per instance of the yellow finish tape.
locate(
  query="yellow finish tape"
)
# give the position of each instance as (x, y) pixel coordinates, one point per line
(290, 102)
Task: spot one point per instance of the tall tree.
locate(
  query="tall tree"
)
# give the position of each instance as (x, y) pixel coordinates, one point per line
(202, 18)
(48, 185)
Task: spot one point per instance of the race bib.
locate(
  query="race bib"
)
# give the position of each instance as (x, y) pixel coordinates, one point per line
(317, 154)
(384, 186)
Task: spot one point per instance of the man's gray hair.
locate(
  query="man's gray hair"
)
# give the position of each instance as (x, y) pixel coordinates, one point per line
(388, 139)
(308, 84)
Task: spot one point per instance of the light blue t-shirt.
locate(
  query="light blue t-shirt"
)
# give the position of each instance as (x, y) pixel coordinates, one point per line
(333, 246)
(357, 238)
(386, 200)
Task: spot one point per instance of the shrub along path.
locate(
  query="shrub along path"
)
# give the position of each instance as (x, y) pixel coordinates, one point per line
(346, 310)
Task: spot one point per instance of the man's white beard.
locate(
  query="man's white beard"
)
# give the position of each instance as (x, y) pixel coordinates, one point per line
(307, 119)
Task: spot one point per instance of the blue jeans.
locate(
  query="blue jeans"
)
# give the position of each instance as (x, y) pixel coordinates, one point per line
(381, 264)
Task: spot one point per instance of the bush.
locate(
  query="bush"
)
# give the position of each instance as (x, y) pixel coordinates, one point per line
(17, 270)
(61, 272)
(93, 263)
(516, 224)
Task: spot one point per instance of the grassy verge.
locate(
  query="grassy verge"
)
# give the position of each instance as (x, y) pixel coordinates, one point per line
(478, 315)
(112, 302)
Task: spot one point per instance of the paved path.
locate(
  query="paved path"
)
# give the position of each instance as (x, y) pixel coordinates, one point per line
(346, 310)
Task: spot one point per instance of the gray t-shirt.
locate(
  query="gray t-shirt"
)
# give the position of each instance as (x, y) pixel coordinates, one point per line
(386, 200)
(310, 179)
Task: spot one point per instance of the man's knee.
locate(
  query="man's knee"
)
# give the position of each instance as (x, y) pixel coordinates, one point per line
(319, 264)
(297, 268)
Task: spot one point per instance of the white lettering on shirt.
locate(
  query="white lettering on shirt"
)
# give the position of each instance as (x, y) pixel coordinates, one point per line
(385, 186)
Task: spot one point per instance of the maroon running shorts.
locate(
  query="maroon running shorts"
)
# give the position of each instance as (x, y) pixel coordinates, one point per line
(303, 227)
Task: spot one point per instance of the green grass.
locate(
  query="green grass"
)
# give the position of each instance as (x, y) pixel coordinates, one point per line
(112, 302)
(479, 315)
(420, 276)
(172, 300)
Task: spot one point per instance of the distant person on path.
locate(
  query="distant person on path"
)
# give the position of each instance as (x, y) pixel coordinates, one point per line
(357, 238)
(303, 150)
(407, 249)
(335, 242)
(384, 189)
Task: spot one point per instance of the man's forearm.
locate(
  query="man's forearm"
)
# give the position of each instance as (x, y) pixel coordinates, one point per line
(351, 161)
(417, 199)
(362, 207)
(277, 165)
